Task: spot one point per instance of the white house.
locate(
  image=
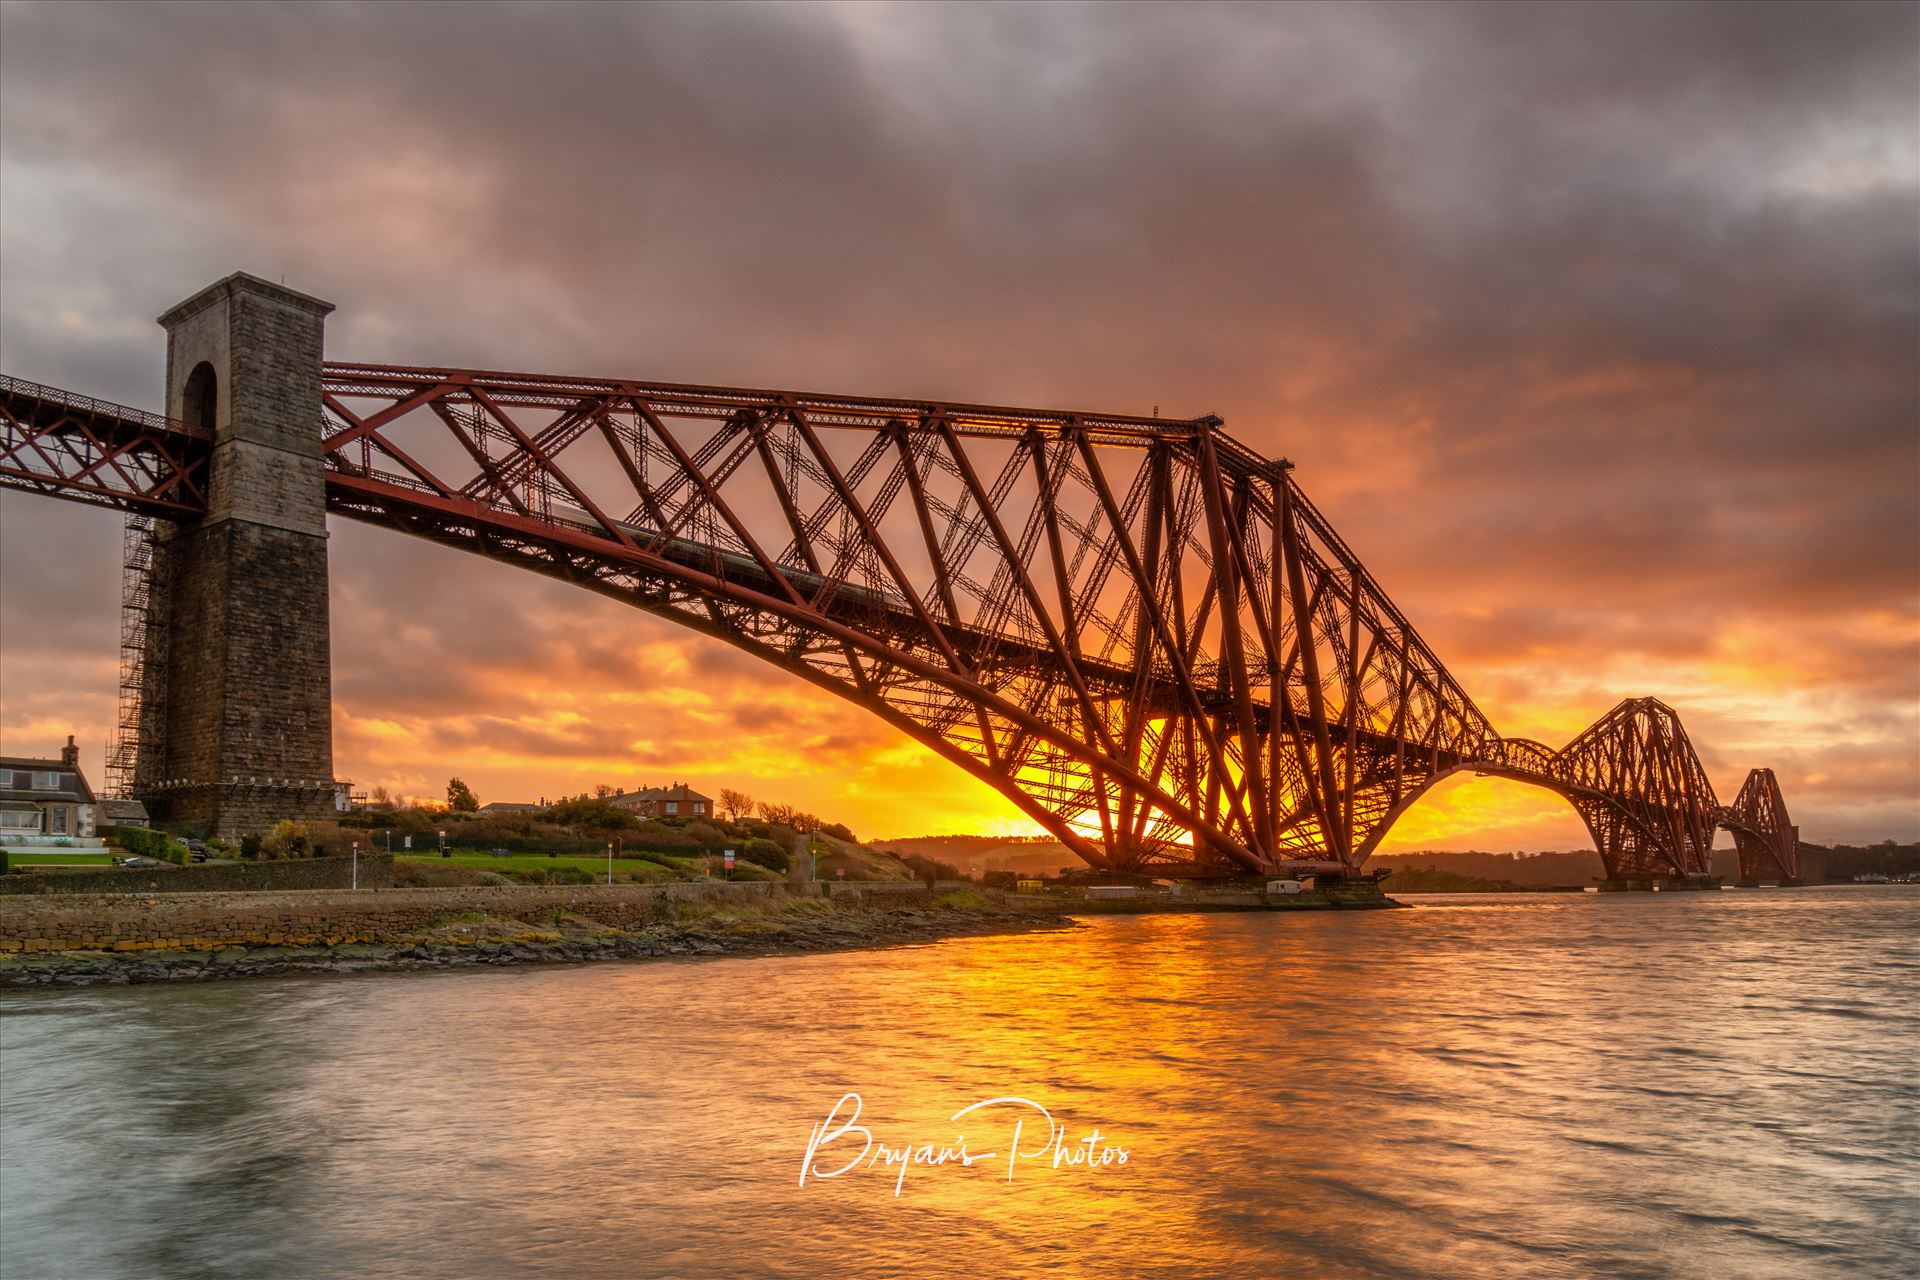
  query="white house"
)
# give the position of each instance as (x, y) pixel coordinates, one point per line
(49, 799)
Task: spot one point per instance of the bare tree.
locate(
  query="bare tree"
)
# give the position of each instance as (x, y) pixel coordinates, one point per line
(738, 804)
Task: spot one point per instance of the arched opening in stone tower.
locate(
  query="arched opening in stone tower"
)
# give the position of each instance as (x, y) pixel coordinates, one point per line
(201, 399)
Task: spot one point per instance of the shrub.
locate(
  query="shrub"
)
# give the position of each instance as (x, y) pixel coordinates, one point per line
(590, 813)
(249, 846)
(656, 836)
(767, 854)
(494, 877)
(148, 843)
(287, 840)
(838, 830)
(705, 834)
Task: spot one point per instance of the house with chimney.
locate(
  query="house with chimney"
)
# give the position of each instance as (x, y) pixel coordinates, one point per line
(675, 801)
(43, 800)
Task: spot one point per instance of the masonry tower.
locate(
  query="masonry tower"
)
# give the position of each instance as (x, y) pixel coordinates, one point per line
(236, 690)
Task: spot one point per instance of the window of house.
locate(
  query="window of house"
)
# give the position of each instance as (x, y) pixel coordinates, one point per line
(58, 814)
(21, 781)
(18, 820)
(46, 782)
(699, 806)
(673, 806)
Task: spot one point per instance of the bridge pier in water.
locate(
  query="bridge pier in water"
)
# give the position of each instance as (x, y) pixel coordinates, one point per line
(236, 688)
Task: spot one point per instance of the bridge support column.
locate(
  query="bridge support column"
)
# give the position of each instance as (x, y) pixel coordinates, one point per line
(241, 733)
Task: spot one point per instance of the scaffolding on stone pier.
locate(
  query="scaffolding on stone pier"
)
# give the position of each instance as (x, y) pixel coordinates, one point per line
(142, 642)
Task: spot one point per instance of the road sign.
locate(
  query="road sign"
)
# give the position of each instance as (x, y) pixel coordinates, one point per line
(729, 856)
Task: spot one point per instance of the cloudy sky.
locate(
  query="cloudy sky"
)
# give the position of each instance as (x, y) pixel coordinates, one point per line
(1595, 329)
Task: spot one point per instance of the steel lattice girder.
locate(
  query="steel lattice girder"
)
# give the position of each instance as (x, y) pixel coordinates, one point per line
(1092, 612)
(1138, 629)
(1763, 832)
(85, 450)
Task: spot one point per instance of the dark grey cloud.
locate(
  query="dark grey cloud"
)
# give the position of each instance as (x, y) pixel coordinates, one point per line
(1596, 328)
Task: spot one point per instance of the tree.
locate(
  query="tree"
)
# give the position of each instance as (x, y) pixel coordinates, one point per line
(379, 798)
(738, 804)
(460, 796)
(605, 792)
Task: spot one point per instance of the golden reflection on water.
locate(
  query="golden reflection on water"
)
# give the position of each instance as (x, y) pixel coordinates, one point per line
(1538, 1088)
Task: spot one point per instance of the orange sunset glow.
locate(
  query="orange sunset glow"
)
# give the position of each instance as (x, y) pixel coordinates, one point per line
(1601, 424)
(750, 639)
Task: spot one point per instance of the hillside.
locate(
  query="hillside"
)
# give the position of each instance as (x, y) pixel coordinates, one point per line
(1522, 870)
(977, 854)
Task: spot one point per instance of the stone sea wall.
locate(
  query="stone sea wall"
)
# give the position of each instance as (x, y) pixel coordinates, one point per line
(375, 872)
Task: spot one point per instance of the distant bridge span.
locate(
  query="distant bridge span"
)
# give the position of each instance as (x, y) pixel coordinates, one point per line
(1139, 630)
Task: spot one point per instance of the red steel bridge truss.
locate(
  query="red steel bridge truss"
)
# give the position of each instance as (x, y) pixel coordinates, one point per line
(1139, 630)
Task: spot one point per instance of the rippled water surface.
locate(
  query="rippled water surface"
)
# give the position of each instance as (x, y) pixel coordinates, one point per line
(1541, 1086)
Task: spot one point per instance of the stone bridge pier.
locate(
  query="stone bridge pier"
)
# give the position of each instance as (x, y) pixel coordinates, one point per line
(236, 690)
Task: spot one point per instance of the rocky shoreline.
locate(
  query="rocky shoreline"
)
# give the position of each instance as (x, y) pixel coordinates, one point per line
(485, 941)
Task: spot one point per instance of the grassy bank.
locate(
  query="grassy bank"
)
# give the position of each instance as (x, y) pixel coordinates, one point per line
(782, 924)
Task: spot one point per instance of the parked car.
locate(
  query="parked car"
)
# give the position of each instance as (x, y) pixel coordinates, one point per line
(196, 855)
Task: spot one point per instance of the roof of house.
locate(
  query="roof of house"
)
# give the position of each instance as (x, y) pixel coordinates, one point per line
(73, 786)
(123, 811)
(678, 791)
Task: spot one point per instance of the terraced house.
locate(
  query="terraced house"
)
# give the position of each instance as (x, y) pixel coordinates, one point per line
(45, 800)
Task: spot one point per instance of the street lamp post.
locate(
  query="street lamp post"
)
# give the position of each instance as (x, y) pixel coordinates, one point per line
(356, 865)
(609, 862)
(443, 842)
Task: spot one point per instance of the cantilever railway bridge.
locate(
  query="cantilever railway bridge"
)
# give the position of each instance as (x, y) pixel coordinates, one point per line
(1139, 630)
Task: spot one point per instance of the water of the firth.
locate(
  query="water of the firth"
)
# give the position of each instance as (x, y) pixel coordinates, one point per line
(1693, 1085)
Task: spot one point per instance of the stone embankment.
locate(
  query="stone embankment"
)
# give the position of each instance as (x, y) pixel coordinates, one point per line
(367, 871)
(74, 941)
